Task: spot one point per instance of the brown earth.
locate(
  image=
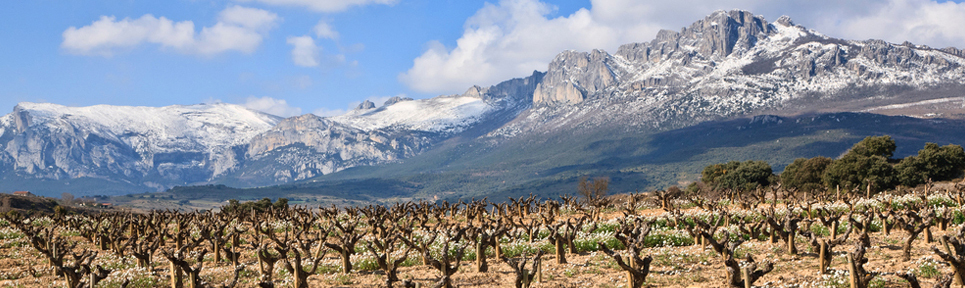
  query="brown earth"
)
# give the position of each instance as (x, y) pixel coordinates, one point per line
(689, 266)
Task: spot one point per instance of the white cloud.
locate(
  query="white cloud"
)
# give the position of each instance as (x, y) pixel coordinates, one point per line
(304, 51)
(251, 18)
(918, 21)
(278, 107)
(514, 37)
(323, 30)
(324, 5)
(506, 40)
(238, 29)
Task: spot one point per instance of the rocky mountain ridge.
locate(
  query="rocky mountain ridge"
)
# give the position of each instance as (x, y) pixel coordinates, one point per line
(150, 146)
(730, 64)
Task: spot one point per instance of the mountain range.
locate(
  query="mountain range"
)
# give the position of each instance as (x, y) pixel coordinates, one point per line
(731, 86)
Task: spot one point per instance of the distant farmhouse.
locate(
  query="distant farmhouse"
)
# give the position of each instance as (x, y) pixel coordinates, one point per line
(23, 193)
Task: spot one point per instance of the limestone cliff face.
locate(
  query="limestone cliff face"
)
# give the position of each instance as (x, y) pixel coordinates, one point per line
(151, 147)
(305, 146)
(326, 136)
(563, 93)
(572, 75)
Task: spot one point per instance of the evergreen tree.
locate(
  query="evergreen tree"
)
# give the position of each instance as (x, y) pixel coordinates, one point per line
(882, 146)
(866, 163)
(932, 162)
(805, 174)
(741, 176)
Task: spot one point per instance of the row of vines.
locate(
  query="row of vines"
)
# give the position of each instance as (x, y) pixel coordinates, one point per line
(286, 246)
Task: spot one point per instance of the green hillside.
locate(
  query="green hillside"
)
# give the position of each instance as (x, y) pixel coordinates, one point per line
(640, 161)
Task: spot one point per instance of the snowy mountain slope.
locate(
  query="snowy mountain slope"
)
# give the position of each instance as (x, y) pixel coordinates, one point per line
(729, 64)
(5, 122)
(445, 114)
(595, 113)
(162, 129)
(307, 146)
(150, 146)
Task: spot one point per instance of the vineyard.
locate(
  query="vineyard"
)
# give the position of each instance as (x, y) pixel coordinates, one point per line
(771, 237)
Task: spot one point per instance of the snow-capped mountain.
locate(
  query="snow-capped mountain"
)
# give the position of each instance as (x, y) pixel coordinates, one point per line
(730, 64)
(439, 114)
(307, 146)
(150, 146)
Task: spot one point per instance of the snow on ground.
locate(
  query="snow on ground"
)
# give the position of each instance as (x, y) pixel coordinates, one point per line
(440, 114)
(161, 128)
(906, 105)
(5, 121)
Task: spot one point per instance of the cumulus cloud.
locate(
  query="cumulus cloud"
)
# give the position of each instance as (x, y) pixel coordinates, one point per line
(238, 29)
(277, 107)
(514, 37)
(506, 40)
(304, 51)
(324, 5)
(918, 21)
(324, 30)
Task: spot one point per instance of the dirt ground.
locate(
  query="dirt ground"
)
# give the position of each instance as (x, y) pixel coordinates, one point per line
(687, 266)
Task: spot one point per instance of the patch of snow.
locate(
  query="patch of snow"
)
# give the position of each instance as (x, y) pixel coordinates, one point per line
(201, 127)
(906, 105)
(5, 122)
(440, 114)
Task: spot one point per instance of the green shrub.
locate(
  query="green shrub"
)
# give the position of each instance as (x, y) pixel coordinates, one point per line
(742, 176)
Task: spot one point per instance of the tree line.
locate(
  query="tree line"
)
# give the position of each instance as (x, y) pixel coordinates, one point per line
(868, 163)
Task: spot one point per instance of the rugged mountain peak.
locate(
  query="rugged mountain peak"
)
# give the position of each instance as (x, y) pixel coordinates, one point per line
(785, 20)
(724, 31)
(173, 144)
(572, 75)
(716, 36)
(21, 119)
(728, 64)
(365, 105)
(475, 91)
(395, 99)
(517, 90)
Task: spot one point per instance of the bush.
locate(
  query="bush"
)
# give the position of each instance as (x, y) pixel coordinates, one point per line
(882, 146)
(259, 206)
(866, 162)
(855, 171)
(805, 174)
(932, 163)
(741, 176)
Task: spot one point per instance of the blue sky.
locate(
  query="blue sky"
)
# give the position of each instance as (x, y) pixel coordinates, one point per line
(290, 57)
